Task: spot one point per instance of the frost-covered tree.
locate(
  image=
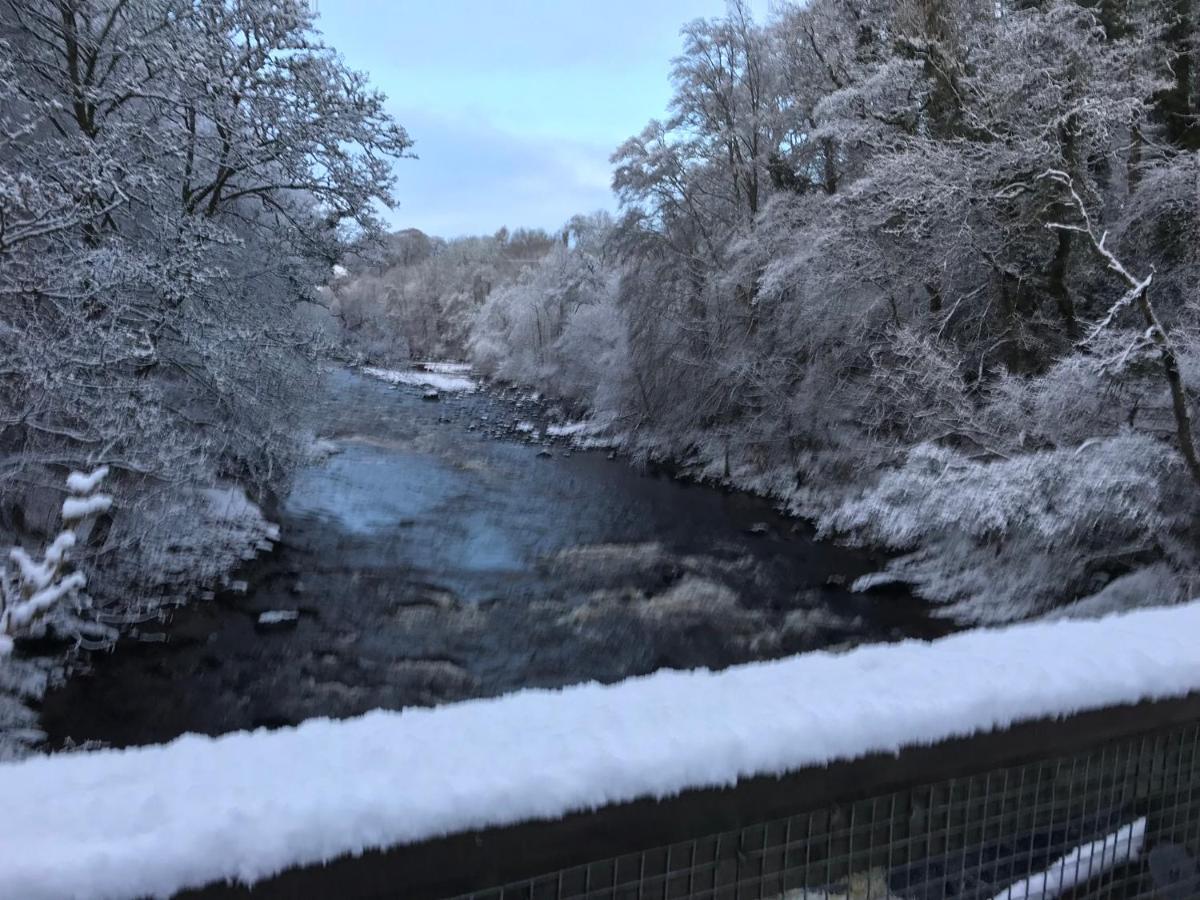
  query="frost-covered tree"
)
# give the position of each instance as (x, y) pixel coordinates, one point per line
(419, 296)
(178, 178)
(557, 325)
(175, 179)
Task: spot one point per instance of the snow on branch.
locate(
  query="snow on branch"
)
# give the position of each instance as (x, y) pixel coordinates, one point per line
(36, 587)
(1138, 294)
(76, 508)
(80, 483)
(23, 614)
(1099, 241)
(1127, 299)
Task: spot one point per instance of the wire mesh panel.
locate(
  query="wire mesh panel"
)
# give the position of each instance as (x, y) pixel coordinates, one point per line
(1119, 821)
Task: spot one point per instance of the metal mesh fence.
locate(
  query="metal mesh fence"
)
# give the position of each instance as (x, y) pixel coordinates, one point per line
(1119, 821)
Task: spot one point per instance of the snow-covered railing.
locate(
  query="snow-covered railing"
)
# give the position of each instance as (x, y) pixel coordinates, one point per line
(482, 792)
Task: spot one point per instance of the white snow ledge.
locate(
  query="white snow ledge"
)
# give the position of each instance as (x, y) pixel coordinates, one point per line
(245, 806)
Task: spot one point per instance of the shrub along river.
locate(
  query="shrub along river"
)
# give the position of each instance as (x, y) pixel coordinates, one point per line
(438, 553)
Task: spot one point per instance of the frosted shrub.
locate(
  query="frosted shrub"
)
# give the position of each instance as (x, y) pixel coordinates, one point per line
(177, 543)
(915, 391)
(1074, 401)
(1003, 540)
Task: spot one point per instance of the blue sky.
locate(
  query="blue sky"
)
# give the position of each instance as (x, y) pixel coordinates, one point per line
(515, 105)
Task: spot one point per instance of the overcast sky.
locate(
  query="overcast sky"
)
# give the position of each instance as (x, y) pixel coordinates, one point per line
(515, 105)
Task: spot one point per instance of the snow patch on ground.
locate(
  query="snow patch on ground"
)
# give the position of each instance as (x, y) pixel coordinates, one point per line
(1147, 586)
(597, 442)
(446, 368)
(154, 820)
(437, 380)
(569, 429)
(586, 434)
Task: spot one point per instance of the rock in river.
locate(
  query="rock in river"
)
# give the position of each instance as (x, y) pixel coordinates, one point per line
(277, 619)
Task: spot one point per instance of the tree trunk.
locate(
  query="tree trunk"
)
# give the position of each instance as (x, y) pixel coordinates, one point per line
(1176, 104)
(1179, 403)
(1058, 284)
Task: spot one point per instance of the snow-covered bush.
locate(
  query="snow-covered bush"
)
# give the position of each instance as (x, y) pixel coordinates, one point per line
(174, 545)
(1006, 539)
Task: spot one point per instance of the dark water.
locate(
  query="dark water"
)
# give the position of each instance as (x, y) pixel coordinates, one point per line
(431, 561)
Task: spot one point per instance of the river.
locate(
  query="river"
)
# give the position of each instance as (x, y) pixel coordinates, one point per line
(441, 554)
